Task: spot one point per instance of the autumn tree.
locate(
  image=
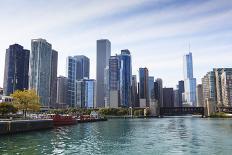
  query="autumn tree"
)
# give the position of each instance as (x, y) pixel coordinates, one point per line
(6, 108)
(26, 100)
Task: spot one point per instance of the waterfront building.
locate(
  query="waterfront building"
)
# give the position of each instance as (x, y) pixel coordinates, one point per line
(16, 69)
(125, 78)
(180, 92)
(208, 86)
(143, 85)
(151, 87)
(218, 73)
(199, 93)
(106, 88)
(85, 93)
(62, 92)
(103, 55)
(176, 97)
(226, 83)
(189, 80)
(168, 97)
(159, 91)
(134, 92)
(77, 69)
(114, 81)
(53, 87)
(42, 70)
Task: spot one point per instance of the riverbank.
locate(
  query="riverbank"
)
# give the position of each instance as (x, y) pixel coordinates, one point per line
(221, 115)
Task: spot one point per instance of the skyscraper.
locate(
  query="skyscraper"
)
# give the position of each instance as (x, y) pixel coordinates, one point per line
(226, 83)
(180, 92)
(77, 69)
(143, 85)
(189, 81)
(103, 55)
(125, 78)
(42, 70)
(168, 97)
(62, 92)
(199, 92)
(159, 90)
(208, 86)
(114, 81)
(134, 92)
(151, 87)
(53, 87)
(16, 69)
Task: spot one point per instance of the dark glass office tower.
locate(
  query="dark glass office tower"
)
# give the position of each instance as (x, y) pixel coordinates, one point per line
(16, 69)
(143, 85)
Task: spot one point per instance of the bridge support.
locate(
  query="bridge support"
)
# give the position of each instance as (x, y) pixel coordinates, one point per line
(210, 107)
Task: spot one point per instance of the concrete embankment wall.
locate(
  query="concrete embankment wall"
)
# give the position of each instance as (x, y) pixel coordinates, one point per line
(7, 127)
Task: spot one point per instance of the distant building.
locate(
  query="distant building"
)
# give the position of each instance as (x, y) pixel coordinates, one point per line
(158, 86)
(189, 81)
(151, 87)
(134, 92)
(114, 81)
(53, 90)
(103, 55)
(1, 91)
(125, 78)
(42, 71)
(199, 92)
(176, 98)
(77, 69)
(180, 92)
(168, 97)
(143, 85)
(62, 92)
(85, 93)
(208, 86)
(16, 69)
(226, 83)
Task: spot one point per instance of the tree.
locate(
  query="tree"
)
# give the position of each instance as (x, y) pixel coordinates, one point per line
(6, 108)
(26, 100)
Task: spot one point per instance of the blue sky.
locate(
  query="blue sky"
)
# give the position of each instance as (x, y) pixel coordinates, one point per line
(157, 32)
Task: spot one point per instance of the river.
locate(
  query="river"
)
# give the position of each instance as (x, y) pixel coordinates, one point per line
(176, 136)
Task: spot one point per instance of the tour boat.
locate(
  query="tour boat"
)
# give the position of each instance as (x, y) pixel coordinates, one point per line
(59, 120)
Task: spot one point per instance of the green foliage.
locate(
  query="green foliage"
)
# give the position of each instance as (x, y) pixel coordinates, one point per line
(6, 108)
(114, 111)
(219, 115)
(138, 112)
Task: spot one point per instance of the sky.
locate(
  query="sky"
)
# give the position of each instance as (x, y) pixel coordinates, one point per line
(157, 32)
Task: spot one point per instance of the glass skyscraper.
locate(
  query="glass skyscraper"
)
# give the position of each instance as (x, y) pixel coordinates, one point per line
(103, 55)
(125, 78)
(143, 85)
(42, 70)
(189, 81)
(16, 69)
(77, 69)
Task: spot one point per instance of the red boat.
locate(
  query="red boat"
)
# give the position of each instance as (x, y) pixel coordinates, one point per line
(59, 120)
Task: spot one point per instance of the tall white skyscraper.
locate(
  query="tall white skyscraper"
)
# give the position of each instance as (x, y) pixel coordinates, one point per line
(103, 55)
(189, 81)
(43, 71)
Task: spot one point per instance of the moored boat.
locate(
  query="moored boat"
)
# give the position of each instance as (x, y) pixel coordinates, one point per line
(59, 120)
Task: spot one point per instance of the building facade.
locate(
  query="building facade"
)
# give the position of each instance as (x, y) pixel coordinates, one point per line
(226, 83)
(151, 87)
(180, 92)
(199, 92)
(77, 69)
(134, 92)
(168, 97)
(62, 92)
(103, 55)
(16, 69)
(125, 78)
(143, 85)
(41, 69)
(159, 89)
(189, 80)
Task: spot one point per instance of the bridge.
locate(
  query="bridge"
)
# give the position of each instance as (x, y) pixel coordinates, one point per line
(177, 111)
(224, 109)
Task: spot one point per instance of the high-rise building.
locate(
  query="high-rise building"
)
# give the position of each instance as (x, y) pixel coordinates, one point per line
(42, 70)
(103, 55)
(125, 78)
(134, 92)
(168, 97)
(208, 86)
(151, 87)
(180, 92)
(199, 93)
(77, 69)
(143, 85)
(176, 97)
(226, 83)
(85, 93)
(159, 91)
(1, 91)
(53, 87)
(189, 81)
(62, 92)
(114, 81)
(16, 69)
(218, 73)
